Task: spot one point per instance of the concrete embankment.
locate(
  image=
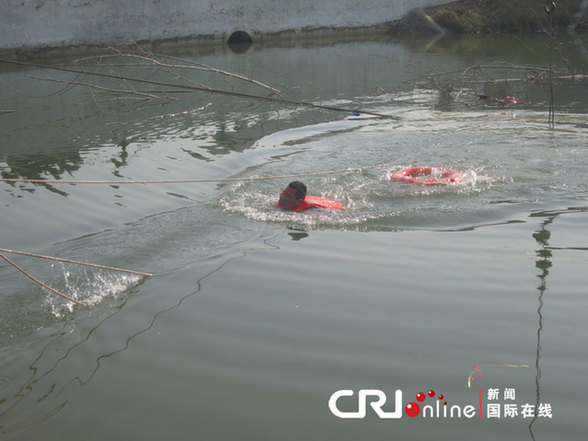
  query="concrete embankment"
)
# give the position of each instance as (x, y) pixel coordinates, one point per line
(35, 24)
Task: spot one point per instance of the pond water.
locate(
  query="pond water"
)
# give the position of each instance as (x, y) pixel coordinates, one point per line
(255, 318)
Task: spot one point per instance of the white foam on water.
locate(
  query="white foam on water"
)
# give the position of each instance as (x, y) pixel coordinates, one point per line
(90, 286)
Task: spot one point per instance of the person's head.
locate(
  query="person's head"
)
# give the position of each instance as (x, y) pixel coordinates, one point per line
(292, 195)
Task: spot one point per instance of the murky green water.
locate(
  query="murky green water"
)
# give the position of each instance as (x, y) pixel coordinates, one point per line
(255, 317)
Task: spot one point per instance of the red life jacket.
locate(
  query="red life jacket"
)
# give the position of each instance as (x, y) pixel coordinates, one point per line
(315, 201)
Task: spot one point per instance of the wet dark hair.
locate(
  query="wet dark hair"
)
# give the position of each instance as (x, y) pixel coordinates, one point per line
(300, 189)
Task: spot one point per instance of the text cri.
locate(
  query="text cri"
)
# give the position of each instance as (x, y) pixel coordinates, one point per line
(376, 399)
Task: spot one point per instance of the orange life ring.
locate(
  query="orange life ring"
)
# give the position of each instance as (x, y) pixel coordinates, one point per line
(427, 176)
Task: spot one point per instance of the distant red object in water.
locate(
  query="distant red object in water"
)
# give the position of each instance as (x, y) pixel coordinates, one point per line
(502, 99)
(475, 374)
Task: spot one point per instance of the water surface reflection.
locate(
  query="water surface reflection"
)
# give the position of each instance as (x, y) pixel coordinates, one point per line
(256, 315)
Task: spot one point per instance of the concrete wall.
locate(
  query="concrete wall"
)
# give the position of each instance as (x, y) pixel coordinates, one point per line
(60, 23)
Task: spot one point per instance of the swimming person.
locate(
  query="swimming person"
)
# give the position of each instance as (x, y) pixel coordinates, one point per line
(294, 198)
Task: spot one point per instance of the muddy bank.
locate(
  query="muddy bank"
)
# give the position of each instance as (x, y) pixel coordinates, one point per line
(497, 16)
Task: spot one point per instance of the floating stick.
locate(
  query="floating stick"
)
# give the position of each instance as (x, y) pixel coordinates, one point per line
(44, 285)
(196, 88)
(59, 259)
(77, 262)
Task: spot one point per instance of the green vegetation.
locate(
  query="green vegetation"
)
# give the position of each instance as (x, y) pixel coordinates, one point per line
(502, 16)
